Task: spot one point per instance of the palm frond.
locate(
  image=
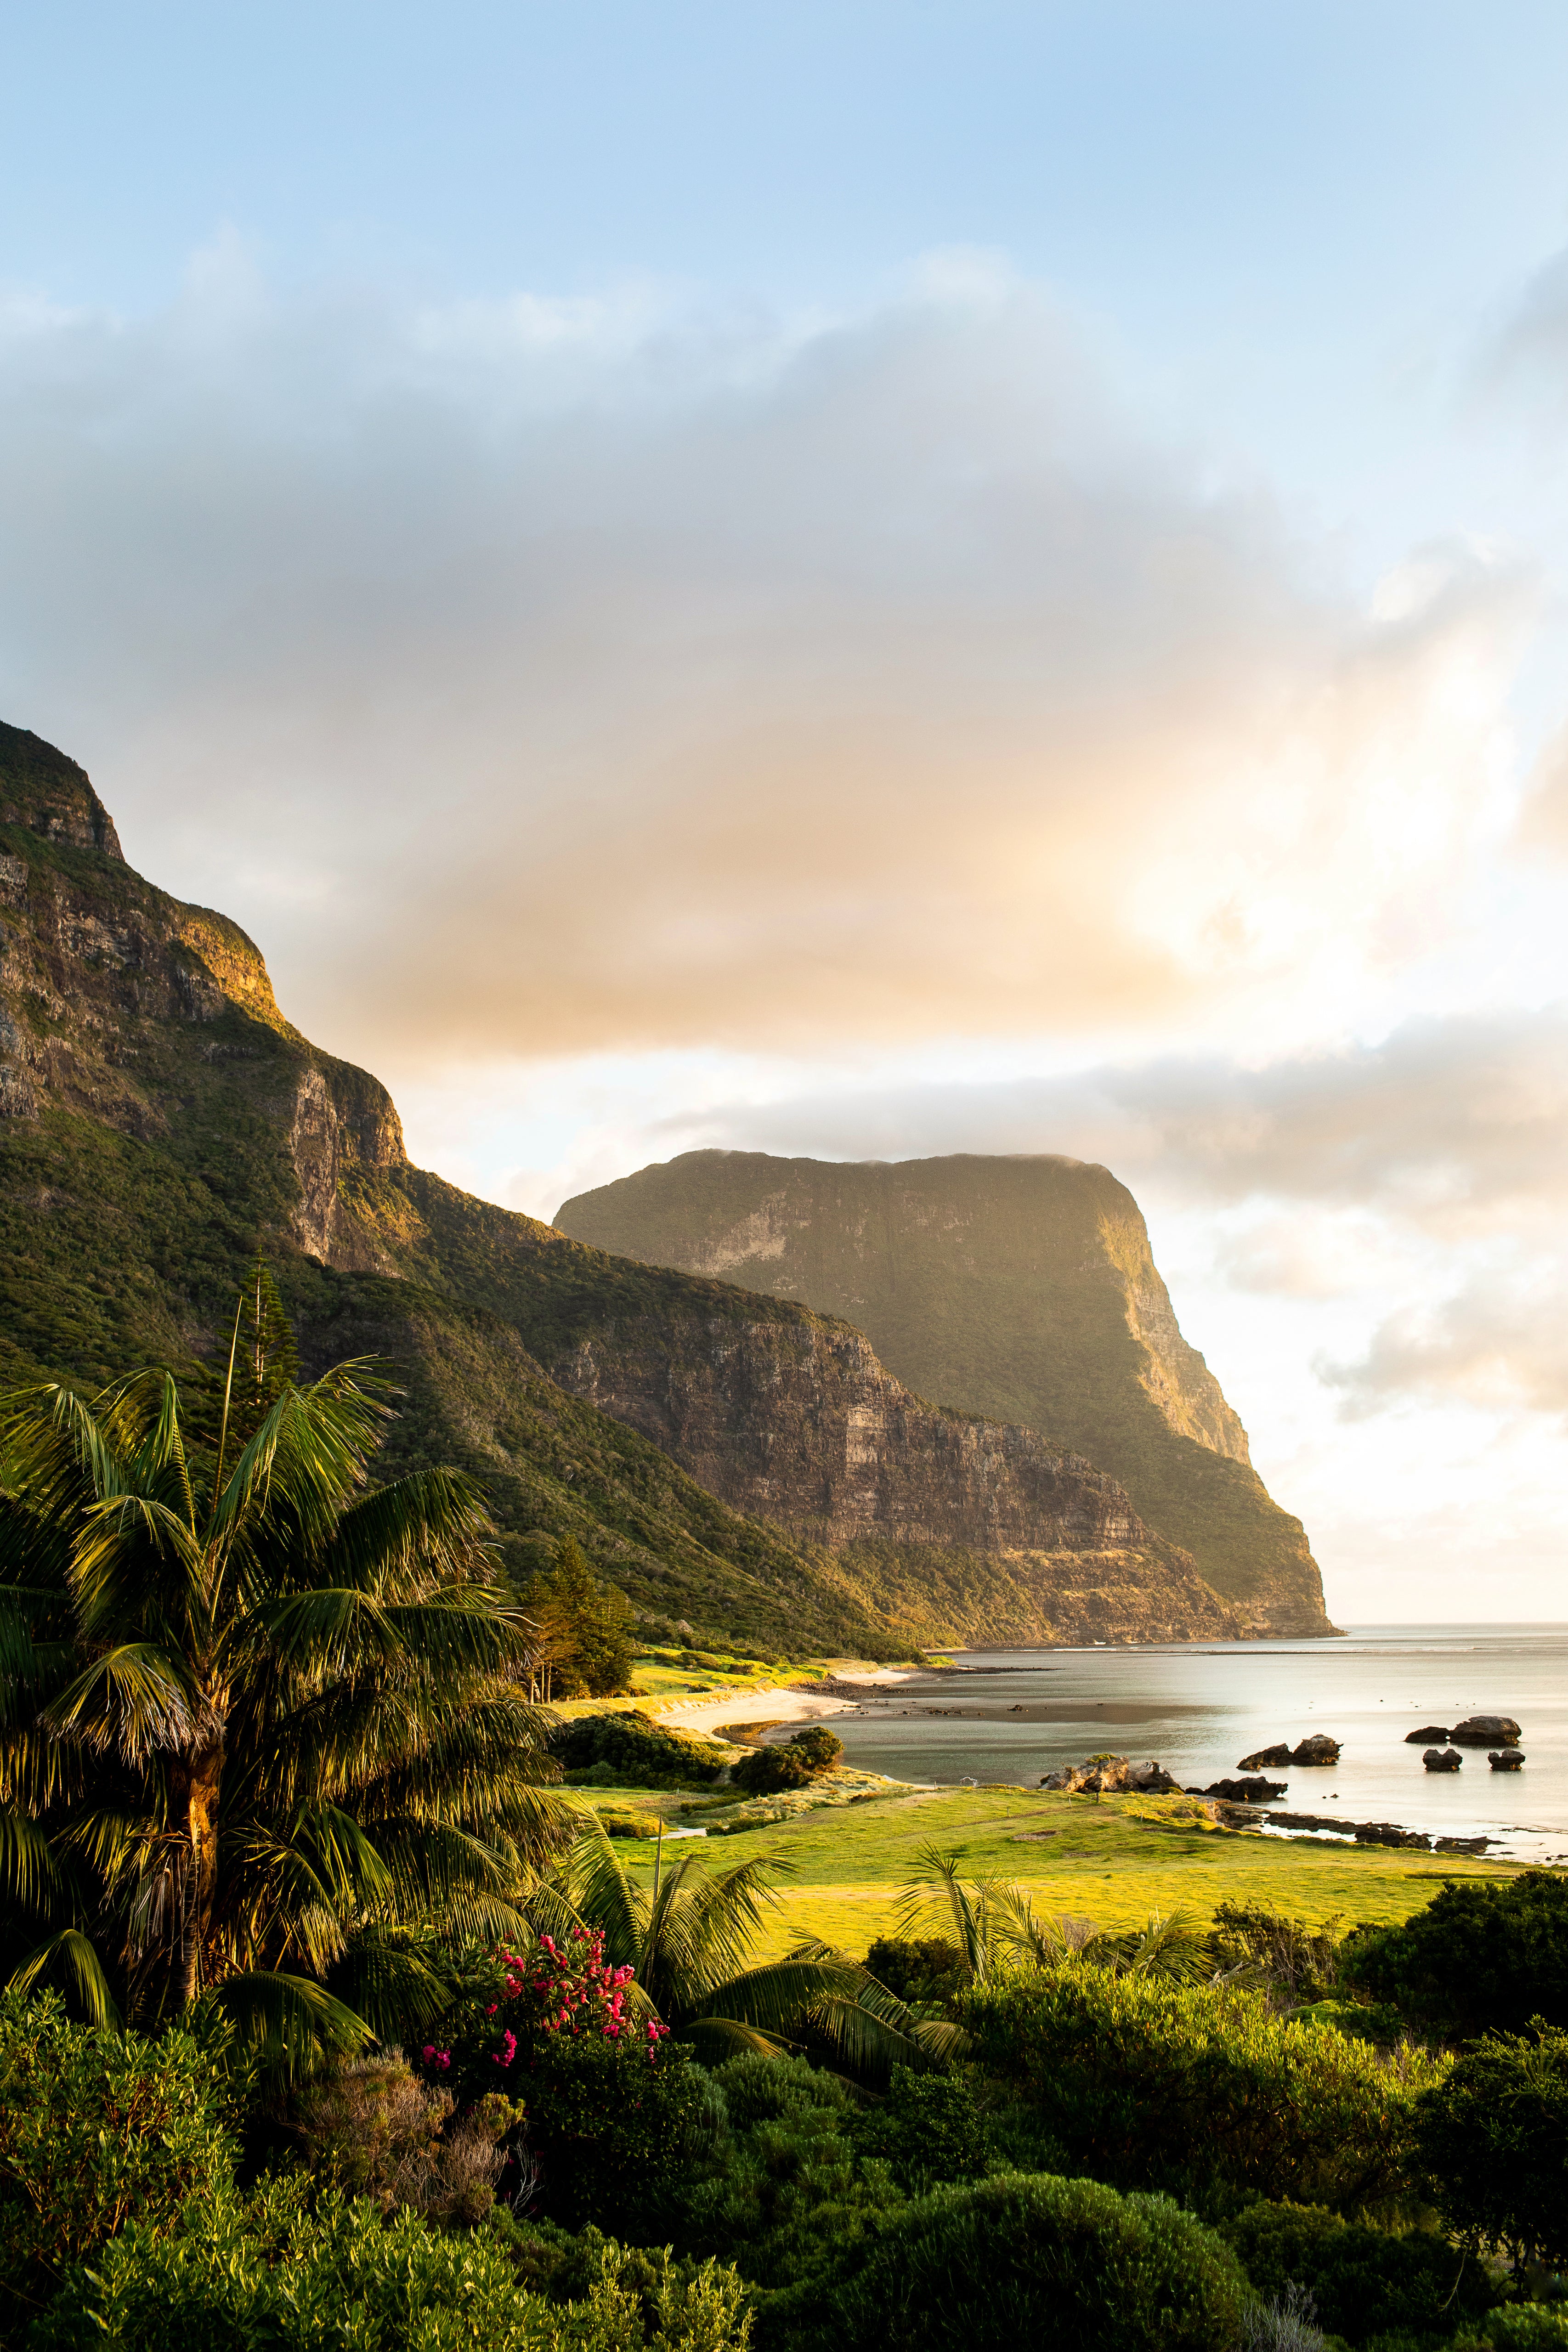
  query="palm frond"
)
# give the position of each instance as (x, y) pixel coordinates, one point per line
(68, 1958)
(132, 1699)
(292, 2025)
(28, 1868)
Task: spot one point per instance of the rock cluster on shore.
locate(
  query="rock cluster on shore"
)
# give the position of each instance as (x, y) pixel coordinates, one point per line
(1112, 1776)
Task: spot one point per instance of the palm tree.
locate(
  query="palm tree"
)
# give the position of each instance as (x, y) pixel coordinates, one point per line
(992, 1920)
(993, 1925)
(256, 1713)
(688, 1938)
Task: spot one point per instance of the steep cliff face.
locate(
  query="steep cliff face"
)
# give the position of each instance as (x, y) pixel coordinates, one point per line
(1023, 1288)
(962, 1526)
(736, 1462)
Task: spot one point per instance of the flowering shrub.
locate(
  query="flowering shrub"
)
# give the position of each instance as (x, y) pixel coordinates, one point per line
(577, 1992)
(611, 2102)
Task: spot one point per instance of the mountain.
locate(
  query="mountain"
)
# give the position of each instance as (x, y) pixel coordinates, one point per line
(1023, 1289)
(742, 1466)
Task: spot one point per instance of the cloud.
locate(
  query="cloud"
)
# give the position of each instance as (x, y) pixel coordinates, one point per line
(540, 678)
(1501, 1341)
(1450, 1124)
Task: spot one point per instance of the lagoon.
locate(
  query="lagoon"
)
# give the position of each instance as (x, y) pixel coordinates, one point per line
(1015, 1714)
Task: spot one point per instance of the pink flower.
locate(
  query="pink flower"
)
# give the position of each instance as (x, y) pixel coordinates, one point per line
(507, 2052)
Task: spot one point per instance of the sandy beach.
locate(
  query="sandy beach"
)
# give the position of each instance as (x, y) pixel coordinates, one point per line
(782, 1703)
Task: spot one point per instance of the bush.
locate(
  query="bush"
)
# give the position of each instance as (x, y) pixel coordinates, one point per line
(1484, 1954)
(97, 2128)
(926, 1971)
(1494, 2139)
(1363, 2282)
(928, 2131)
(769, 1771)
(1027, 2259)
(374, 2130)
(1518, 2327)
(1302, 1961)
(302, 2274)
(818, 1748)
(614, 2110)
(1199, 2089)
(642, 1753)
(783, 2190)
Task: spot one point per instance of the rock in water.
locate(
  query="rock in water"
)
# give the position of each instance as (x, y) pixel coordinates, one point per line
(1428, 1731)
(1276, 1755)
(1253, 1790)
(1319, 1749)
(1444, 1759)
(1486, 1731)
(1508, 1759)
(1390, 1833)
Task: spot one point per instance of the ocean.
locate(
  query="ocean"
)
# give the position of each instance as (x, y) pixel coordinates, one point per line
(1016, 1714)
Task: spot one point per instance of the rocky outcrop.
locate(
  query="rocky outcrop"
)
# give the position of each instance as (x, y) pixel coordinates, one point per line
(50, 795)
(1482, 1730)
(1020, 1288)
(1316, 1749)
(1112, 1776)
(1442, 1759)
(1475, 1731)
(1509, 1760)
(1254, 1789)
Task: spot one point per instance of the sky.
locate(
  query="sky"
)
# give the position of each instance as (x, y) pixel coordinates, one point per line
(868, 581)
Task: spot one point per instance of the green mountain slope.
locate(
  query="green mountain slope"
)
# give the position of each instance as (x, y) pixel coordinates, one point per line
(742, 1466)
(1019, 1287)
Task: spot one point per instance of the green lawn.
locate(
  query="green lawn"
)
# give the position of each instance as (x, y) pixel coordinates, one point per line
(1112, 1862)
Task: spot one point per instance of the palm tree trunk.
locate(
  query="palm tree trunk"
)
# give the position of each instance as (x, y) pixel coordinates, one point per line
(196, 1790)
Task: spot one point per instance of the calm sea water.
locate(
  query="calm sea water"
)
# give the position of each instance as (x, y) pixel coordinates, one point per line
(1199, 1710)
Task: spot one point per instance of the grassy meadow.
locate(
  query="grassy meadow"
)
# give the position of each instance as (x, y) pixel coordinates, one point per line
(1114, 1861)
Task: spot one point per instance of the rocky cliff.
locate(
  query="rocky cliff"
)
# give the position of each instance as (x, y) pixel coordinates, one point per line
(737, 1463)
(1023, 1288)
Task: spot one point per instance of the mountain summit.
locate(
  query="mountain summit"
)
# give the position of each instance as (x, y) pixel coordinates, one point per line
(1021, 1288)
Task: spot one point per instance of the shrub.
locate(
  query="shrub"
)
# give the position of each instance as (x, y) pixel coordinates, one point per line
(302, 2274)
(375, 2131)
(1363, 2282)
(769, 1771)
(1027, 2259)
(641, 1751)
(818, 1748)
(1285, 2324)
(96, 2127)
(929, 2129)
(1494, 2139)
(1302, 1961)
(1485, 1954)
(614, 2110)
(1518, 2327)
(928, 1970)
(1200, 2089)
(783, 2189)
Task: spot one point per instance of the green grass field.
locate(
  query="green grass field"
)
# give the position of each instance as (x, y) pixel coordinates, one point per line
(843, 1868)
